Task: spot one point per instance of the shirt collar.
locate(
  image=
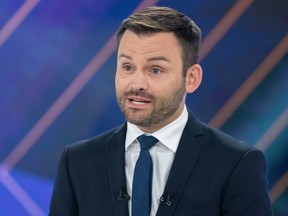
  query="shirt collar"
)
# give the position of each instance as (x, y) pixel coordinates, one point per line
(169, 135)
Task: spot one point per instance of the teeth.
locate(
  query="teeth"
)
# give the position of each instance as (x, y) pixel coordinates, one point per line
(137, 102)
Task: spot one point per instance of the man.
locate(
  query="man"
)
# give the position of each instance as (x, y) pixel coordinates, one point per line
(196, 169)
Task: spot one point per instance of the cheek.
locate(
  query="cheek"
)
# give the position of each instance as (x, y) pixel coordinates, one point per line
(167, 86)
(169, 90)
(123, 81)
(118, 80)
(120, 84)
(161, 91)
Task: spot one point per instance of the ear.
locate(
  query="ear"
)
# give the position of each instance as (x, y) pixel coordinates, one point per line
(193, 78)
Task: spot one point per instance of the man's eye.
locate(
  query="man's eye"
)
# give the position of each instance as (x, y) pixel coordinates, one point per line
(156, 71)
(127, 67)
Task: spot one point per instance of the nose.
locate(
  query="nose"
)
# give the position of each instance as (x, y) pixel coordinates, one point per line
(139, 81)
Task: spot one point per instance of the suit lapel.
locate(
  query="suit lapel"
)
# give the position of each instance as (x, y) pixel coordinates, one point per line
(186, 156)
(115, 151)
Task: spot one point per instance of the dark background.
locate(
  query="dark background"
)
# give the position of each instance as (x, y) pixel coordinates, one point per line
(57, 67)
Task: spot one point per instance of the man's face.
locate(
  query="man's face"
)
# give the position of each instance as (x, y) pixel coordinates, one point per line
(150, 88)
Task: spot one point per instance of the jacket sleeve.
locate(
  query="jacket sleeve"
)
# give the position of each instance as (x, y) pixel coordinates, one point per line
(63, 200)
(247, 190)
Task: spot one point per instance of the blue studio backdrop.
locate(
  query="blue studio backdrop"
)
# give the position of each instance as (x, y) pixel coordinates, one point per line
(57, 67)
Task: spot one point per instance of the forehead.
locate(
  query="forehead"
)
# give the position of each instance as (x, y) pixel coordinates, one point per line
(163, 43)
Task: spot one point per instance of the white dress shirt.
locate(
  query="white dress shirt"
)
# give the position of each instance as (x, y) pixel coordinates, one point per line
(162, 154)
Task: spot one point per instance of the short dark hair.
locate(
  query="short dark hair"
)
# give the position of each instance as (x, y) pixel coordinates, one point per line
(163, 19)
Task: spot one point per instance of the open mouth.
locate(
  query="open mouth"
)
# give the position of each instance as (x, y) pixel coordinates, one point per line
(137, 101)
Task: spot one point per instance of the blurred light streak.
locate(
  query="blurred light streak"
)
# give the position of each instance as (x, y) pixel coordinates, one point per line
(19, 193)
(64, 100)
(271, 134)
(145, 4)
(251, 83)
(279, 187)
(60, 104)
(223, 26)
(79, 83)
(17, 19)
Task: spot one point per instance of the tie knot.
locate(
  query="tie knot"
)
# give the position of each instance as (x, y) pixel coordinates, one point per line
(146, 142)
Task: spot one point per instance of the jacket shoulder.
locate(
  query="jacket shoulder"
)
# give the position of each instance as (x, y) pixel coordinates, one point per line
(98, 141)
(215, 138)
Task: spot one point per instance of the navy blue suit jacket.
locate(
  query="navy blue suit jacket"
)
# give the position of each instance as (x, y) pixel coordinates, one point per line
(212, 175)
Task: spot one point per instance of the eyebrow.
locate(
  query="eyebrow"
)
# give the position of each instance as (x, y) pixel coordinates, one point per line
(154, 58)
(158, 58)
(125, 56)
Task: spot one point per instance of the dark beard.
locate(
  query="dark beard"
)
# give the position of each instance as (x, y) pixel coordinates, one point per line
(163, 107)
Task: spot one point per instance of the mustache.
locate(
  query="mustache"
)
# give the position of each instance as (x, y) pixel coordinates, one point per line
(138, 93)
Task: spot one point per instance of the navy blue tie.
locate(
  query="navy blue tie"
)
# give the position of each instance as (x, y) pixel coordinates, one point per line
(142, 180)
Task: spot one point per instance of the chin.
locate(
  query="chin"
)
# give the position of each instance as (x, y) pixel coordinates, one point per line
(142, 122)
